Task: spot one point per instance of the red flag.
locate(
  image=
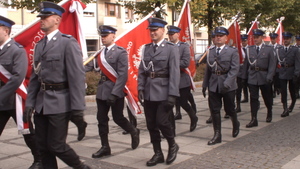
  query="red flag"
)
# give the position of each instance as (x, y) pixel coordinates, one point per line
(234, 38)
(32, 34)
(29, 36)
(250, 33)
(279, 31)
(133, 40)
(184, 22)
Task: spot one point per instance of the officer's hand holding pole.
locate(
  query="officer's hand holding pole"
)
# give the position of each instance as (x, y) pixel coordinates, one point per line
(141, 97)
(27, 114)
(111, 100)
(204, 92)
(269, 81)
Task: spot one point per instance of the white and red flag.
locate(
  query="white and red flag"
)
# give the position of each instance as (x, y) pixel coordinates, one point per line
(234, 38)
(31, 34)
(250, 32)
(185, 35)
(279, 30)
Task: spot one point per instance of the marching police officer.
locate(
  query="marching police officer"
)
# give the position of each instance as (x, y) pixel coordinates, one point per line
(185, 80)
(276, 83)
(158, 87)
(56, 89)
(13, 59)
(297, 37)
(220, 77)
(110, 91)
(241, 85)
(260, 64)
(289, 60)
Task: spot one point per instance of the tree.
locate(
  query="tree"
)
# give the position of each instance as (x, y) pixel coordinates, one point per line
(32, 5)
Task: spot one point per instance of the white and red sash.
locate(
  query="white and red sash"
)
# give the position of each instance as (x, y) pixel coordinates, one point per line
(21, 93)
(188, 72)
(112, 75)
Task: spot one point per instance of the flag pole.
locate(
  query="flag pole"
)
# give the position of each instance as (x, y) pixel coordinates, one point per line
(235, 18)
(280, 20)
(120, 36)
(35, 21)
(254, 22)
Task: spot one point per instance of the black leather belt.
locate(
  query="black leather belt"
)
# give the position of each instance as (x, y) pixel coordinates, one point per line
(258, 69)
(219, 72)
(57, 86)
(156, 75)
(286, 65)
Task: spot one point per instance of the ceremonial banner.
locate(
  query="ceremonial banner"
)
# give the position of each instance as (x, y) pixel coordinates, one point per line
(184, 22)
(234, 38)
(32, 34)
(133, 41)
(70, 24)
(250, 33)
(279, 31)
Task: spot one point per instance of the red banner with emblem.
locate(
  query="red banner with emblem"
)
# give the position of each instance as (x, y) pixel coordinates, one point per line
(133, 41)
(32, 34)
(184, 22)
(234, 38)
(250, 32)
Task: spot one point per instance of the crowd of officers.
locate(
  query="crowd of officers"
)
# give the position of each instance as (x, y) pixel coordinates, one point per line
(56, 89)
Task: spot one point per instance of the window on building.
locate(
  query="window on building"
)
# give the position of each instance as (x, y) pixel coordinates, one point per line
(89, 14)
(112, 10)
(91, 45)
(128, 13)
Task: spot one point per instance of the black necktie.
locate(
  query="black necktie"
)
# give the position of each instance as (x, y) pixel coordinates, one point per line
(244, 49)
(257, 49)
(286, 49)
(45, 41)
(218, 51)
(105, 51)
(155, 47)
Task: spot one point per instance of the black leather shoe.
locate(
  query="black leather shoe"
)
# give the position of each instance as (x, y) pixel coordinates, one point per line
(172, 153)
(252, 123)
(216, 139)
(83, 166)
(125, 132)
(36, 165)
(103, 151)
(81, 131)
(236, 130)
(135, 139)
(226, 116)
(158, 157)
(269, 118)
(238, 109)
(177, 116)
(285, 113)
(193, 123)
(209, 120)
(244, 101)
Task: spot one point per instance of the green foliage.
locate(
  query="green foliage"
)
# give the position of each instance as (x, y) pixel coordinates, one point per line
(200, 70)
(92, 80)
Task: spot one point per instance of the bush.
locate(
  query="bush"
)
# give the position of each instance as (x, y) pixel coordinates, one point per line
(200, 70)
(92, 80)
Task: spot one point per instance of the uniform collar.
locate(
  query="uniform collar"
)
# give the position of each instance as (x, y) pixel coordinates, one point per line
(50, 35)
(1, 47)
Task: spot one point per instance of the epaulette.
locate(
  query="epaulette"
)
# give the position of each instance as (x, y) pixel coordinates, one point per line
(211, 48)
(293, 47)
(170, 43)
(66, 35)
(148, 44)
(19, 45)
(120, 47)
(268, 46)
(232, 47)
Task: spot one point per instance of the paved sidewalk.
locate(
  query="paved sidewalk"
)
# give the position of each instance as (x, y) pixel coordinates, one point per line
(270, 145)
